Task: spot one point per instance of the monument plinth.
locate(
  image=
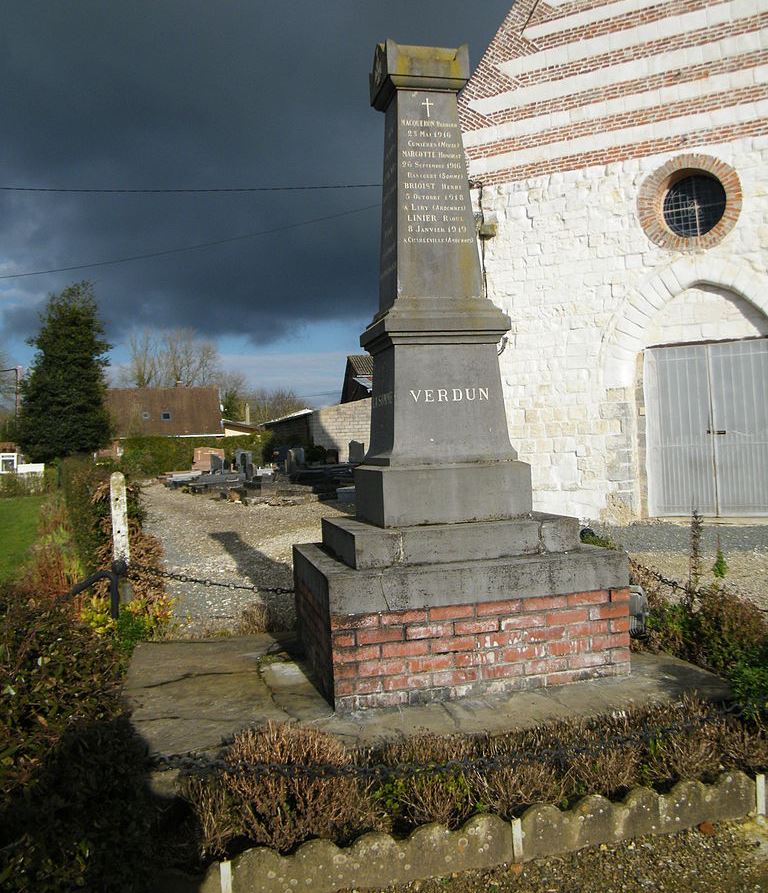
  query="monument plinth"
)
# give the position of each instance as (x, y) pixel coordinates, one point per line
(446, 582)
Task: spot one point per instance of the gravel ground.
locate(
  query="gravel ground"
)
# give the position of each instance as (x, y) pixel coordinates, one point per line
(665, 546)
(211, 538)
(215, 539)
(726, 859)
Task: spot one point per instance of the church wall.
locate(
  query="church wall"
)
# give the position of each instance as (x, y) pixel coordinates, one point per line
(587, 290)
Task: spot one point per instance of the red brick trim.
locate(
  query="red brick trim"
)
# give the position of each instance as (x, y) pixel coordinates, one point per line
(615, 154)
(651, 197)
(446, 652)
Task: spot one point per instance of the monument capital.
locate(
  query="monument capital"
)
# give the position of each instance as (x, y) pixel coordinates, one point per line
(399, 67)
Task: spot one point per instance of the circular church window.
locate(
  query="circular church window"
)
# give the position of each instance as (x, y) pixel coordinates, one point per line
(694, 205)
(690, 203)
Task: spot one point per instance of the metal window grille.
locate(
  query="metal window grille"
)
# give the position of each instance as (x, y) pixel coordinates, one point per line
(694, 205)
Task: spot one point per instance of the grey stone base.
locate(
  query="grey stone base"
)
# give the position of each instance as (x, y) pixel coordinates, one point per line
(401, 587)
(362, 546)
(402, 496)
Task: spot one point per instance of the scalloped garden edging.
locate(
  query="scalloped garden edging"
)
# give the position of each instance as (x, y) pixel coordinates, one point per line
(485, 841)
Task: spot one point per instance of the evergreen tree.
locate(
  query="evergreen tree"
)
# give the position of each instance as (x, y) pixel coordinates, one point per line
(63, 408)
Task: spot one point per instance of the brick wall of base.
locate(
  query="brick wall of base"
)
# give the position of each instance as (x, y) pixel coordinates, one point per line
(446, 652)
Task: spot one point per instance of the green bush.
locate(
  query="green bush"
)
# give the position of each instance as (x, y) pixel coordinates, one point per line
(151, 456)
(79, 478)
(12, 485)
(75, 808)
(726, 631)
(455, 776)
(54, 673)
(750, 688)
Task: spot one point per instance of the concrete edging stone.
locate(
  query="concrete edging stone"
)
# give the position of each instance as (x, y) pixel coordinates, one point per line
(376, 860)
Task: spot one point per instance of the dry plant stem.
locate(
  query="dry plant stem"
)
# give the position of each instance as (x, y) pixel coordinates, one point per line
(694, 559)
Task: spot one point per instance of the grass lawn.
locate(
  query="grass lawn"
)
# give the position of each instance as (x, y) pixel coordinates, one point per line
(18, 524)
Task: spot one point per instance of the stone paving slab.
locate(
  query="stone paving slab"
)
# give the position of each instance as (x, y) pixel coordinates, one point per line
(192, 695)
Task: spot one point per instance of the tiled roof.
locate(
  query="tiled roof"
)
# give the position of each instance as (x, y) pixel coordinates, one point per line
(361, 364)
(168, 411)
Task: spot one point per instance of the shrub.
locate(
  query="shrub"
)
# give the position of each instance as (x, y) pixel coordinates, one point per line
(54, 673)
(450, 777)
(444, 797)
(750, 688)
(89, 822)
(278, 810)
(12, 484)
(79, 478)
(87, 494)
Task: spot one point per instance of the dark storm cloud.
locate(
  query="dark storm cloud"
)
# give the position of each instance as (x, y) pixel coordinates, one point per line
(202, 94)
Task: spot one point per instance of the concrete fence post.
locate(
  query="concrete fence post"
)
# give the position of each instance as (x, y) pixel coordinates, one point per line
(760, 794)
(120, 546)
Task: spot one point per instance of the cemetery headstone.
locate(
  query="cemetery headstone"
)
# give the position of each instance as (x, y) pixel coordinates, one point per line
(446, 582)
(356, 451)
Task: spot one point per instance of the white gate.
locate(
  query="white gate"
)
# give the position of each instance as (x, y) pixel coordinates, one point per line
(707, 428)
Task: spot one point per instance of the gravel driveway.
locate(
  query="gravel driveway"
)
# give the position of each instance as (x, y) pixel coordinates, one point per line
(215, 539)
(211, 538)
(665, 546)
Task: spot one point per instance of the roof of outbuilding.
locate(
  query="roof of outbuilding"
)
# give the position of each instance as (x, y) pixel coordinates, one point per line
(361, 364)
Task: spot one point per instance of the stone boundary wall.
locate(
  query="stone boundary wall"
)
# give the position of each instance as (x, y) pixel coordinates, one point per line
(333, 427)
(445, 652)
(376, 860)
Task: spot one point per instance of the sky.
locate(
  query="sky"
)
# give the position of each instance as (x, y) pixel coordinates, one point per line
(180, 94)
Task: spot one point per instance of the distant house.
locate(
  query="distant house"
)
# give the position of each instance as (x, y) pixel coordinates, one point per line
(358, 378)
(12, 462)
(169, 412)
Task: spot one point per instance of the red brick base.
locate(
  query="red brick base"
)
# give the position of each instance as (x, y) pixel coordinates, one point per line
(442, 653)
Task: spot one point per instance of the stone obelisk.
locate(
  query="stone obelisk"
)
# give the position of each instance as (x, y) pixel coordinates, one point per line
(446, 583)
(440, 449)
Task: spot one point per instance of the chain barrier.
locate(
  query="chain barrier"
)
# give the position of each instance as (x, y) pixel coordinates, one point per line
(674, 585)
(200, 764)
(199, 581)
(660, 578)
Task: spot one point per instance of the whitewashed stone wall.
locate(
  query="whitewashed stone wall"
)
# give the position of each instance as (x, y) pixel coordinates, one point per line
(335, 427)
(587, 291)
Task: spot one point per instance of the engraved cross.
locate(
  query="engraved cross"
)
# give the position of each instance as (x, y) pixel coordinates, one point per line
(428, 105)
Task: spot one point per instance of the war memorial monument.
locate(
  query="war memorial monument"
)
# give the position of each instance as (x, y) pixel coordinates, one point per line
(446, 583)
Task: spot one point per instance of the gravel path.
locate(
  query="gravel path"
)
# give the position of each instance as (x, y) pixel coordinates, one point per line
(211, 538)
(665, 546)
(728, 859)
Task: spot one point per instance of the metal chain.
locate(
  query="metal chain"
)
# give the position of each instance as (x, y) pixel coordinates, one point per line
(666, 581)
(185, 578)
(201, 764)
(674, 584)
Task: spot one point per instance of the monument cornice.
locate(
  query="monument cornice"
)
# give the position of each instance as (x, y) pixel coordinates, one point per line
(399, 67)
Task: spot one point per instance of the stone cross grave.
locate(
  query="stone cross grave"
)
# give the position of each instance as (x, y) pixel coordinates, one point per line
(446, 583)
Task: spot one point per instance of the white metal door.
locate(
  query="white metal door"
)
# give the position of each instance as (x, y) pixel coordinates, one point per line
(707, 428)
